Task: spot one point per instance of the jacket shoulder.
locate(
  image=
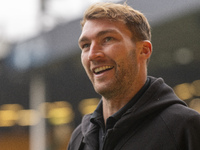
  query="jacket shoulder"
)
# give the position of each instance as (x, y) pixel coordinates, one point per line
(184, 125)
(76, 138)
(180, 113)
(77, 135)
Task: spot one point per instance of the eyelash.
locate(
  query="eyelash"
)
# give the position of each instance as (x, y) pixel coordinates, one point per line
(107, 39)
(85, 46)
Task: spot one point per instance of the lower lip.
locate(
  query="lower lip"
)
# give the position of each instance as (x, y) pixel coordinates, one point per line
(103, 73)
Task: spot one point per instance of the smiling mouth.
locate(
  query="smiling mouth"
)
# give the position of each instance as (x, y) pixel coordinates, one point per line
(102, 69)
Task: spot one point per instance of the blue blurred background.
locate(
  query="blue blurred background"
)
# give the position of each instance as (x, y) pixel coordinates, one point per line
(44, 91)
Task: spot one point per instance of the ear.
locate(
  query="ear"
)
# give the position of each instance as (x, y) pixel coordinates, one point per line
(146, 50)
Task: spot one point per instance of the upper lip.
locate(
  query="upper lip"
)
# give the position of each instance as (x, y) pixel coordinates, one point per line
(99, 69)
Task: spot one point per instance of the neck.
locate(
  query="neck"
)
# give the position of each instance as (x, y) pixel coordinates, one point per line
(113, 104)
(110, 107)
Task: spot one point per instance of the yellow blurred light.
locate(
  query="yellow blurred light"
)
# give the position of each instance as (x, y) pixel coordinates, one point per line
(88, 109)
(44, 108)
(195, 104)
(196, 87)
(183, 91)
(58, 116)
(59, 112)
(28, 117)
(9, 114)
(8, 118)
(14, 107)
(87, 106)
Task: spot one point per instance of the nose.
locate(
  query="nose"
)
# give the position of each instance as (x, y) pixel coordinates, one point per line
(95, 52)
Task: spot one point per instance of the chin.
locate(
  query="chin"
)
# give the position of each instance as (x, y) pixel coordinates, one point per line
(101, 90)
(104, 91)
(104, 88)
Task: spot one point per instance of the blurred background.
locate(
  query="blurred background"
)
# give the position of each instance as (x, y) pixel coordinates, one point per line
(44, 91)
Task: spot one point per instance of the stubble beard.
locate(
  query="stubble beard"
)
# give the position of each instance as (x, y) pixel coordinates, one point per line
(120, 84)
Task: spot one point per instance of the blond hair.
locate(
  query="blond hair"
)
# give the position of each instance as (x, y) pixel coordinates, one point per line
(135, 20)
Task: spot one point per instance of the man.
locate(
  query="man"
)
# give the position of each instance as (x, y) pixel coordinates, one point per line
(136, 111)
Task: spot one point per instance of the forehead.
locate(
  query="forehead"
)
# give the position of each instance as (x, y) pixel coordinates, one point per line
(92, 28)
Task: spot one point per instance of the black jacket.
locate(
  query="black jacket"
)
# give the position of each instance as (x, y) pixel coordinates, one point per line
(158, 121)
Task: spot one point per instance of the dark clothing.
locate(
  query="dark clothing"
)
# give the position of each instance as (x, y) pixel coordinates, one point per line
(158, 120)
(97, 117)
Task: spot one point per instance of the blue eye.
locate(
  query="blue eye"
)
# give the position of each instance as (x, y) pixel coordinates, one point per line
(85, 46)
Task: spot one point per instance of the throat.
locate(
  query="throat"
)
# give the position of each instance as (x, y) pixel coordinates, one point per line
(110, 107)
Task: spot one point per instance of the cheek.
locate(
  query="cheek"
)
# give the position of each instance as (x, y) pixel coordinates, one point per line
(83, 59)
(85, 63)
(129, 60)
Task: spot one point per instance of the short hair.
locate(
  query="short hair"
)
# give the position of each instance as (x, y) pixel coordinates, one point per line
(135, 20)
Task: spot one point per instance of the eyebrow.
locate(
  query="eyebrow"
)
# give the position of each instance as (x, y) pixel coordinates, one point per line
(84, 38)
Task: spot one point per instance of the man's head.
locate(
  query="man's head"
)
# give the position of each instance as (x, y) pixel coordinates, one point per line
(114, 52)
(135, 20)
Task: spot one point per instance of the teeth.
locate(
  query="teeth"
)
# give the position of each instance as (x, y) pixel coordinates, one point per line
(97, 70)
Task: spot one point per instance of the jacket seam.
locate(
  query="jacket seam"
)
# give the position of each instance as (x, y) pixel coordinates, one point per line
(171, 133)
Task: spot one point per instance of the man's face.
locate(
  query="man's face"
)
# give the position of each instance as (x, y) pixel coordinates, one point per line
(109, 56)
